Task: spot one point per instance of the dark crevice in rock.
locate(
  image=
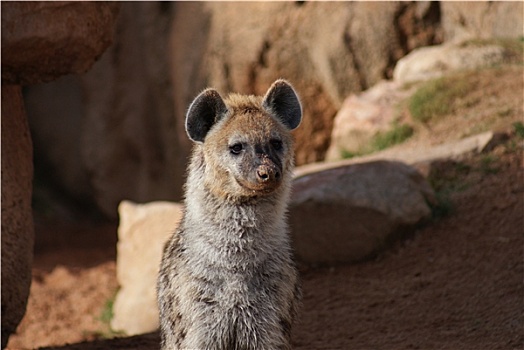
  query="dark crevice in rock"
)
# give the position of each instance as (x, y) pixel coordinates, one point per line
(356, 65)
(414, 30)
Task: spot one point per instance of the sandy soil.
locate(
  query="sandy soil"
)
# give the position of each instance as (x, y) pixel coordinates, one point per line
(456, 284)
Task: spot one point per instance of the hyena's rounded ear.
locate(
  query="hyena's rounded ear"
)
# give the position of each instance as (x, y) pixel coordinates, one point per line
(205, 110)
(282, 100)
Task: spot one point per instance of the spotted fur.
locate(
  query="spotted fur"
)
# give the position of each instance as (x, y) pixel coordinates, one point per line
(227, 278)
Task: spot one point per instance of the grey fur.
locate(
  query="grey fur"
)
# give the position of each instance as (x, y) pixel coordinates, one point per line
(227, 278)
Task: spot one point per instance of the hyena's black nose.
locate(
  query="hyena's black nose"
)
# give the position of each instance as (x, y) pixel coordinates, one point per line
(266, 173)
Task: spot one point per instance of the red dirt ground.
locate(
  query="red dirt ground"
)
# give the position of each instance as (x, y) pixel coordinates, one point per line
(456, 284)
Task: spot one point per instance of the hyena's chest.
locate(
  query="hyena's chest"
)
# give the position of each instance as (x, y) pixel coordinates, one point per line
(233, 305)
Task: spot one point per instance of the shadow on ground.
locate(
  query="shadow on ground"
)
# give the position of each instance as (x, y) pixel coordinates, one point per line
(148, 341)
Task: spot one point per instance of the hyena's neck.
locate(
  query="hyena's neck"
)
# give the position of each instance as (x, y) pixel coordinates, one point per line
(261, 216)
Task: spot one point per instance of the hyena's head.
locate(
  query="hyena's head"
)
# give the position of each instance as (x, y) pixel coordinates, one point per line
(245, 141)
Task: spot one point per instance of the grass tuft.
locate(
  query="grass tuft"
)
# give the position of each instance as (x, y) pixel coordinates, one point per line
(518, 127)
(107, 312)
(396, 135)
(345, 154)
(106, 315)
(382, 140)
(437, 97)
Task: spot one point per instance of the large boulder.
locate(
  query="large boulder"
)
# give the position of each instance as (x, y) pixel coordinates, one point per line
(350, 213)
(40, 42)
(44, 40)
(17, 219)
(142, 233)
(434, 61)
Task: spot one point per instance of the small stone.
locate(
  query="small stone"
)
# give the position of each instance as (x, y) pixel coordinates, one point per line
(143, 230)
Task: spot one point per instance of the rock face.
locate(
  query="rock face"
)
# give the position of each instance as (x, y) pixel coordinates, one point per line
(130, 144)
(350, 213)
(364, 114)
(142, 232)
(59, 158)
(44, 40)
(484, 19)
(434, 61)
(40, 42)
(17, 220)
(326, 50)
(110, 134)
(133, 143)
(421, 158)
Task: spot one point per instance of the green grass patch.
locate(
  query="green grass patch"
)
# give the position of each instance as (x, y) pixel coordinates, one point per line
(518, 127)
(106, 315)
(382, 140)
(396, 135)
(107, 312)
(438, 97)
(345, 154)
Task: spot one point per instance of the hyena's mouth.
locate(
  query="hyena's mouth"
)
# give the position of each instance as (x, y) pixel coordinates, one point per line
(257, 188)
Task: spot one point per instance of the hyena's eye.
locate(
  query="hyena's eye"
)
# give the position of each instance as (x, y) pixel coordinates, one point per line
(277, 144)
(236, 148)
